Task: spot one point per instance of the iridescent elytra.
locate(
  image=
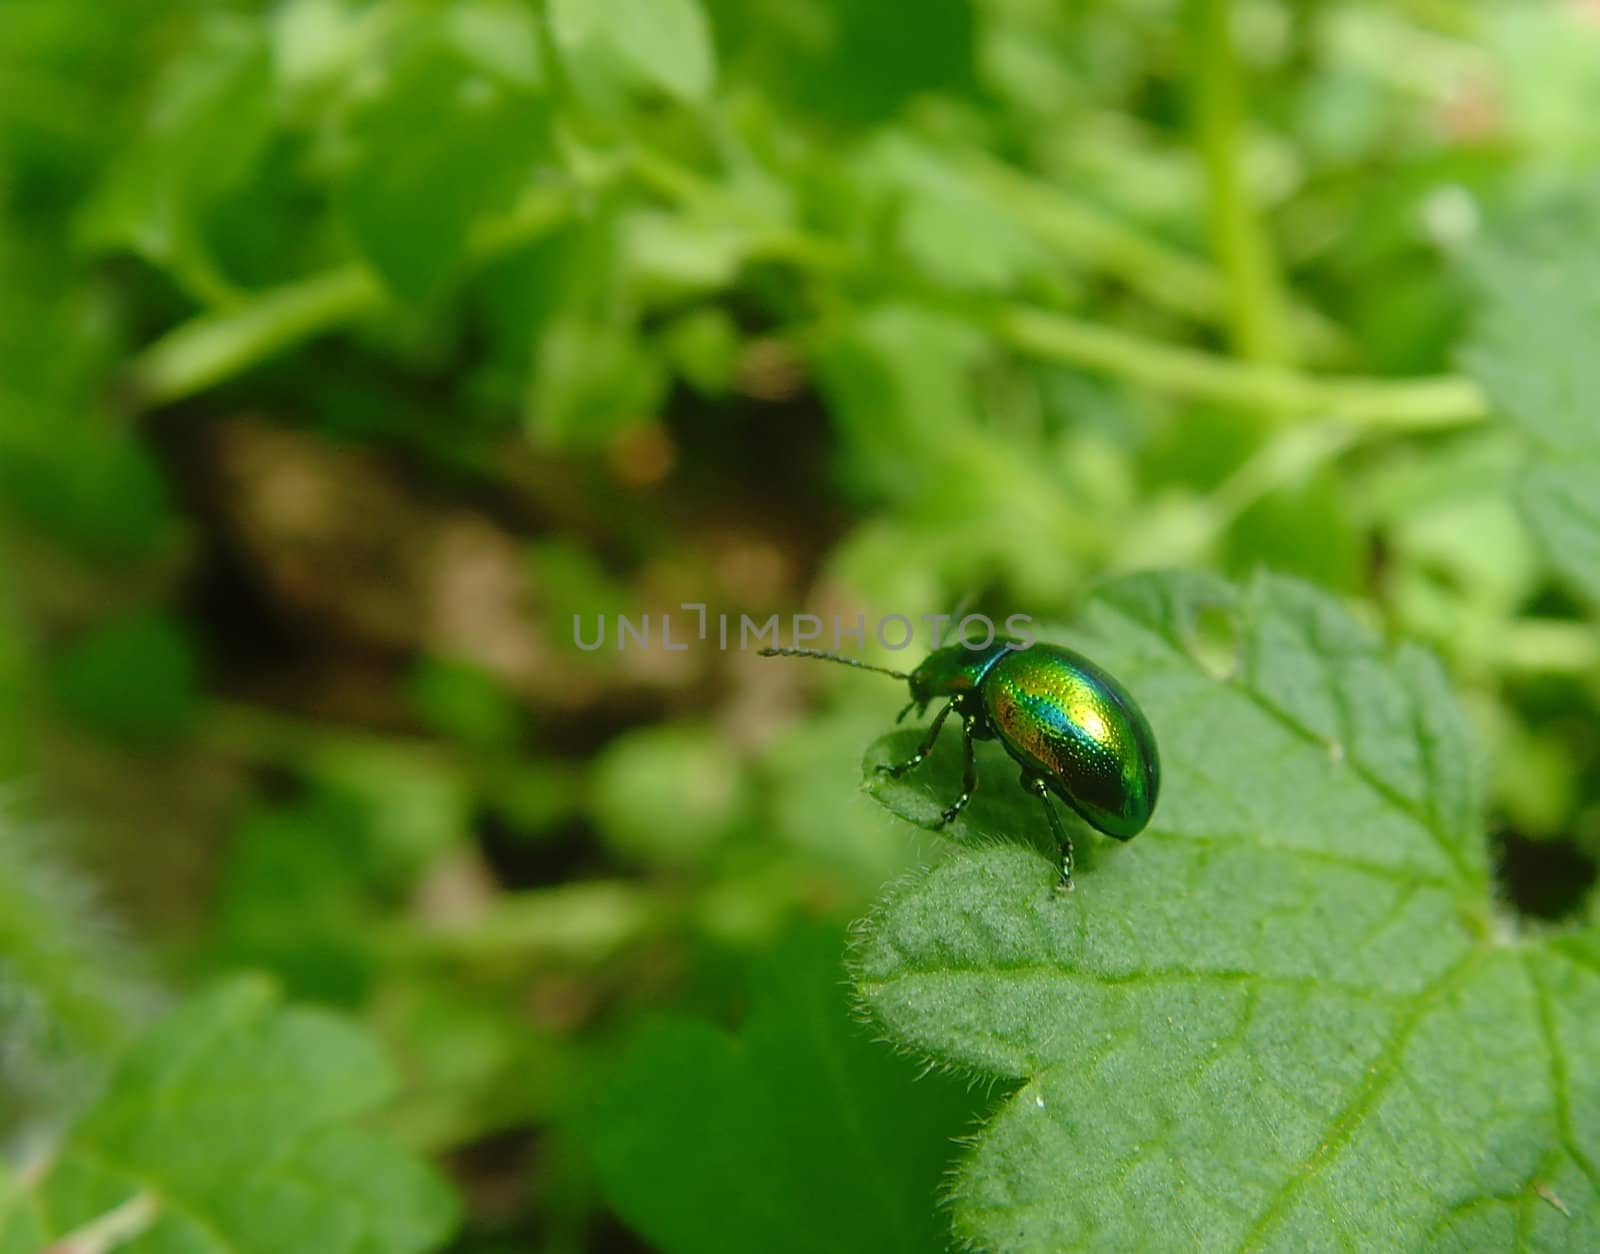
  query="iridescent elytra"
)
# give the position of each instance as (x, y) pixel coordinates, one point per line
(1072, 728)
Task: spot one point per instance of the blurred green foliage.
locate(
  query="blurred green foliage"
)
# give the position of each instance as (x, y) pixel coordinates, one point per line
(350, 348)
(766, 1108)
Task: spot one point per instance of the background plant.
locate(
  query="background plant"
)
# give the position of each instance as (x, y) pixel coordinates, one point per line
(349, 349)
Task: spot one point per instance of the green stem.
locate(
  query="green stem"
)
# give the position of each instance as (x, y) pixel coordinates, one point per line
(687, 187)
(1172, 280)
(1255, 299)
(1394, 404)
(584, 922)
(218, 345)
(253, 734)
(1185, 529)
(1167, 277)
(1551, 646)
(117, 1227)
(215, 346)
(1406, 405)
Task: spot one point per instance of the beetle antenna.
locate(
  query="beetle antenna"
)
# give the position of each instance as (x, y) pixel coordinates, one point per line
(833, 657)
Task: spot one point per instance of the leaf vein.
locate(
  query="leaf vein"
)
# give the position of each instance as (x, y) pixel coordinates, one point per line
(1381, 1072)
(1384, 791)
(1400, 874)
(1560, 1076)
(1259, 979)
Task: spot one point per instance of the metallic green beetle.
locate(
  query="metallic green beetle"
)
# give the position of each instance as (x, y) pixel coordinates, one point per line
(1072, 728)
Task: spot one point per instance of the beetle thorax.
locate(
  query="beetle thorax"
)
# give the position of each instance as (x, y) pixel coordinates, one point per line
(954, 670)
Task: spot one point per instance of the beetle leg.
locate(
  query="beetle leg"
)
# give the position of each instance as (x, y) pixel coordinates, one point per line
(1036, 786)
(923, 750)
(969, 773)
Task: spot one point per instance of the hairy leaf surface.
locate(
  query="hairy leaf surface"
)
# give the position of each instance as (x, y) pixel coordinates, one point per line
(1288, 1015)
(229, 1128)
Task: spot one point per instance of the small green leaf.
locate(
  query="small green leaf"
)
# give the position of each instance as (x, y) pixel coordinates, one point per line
(1304, 530)
(1287, 1015)
(1534, 355)
(1531, 351)
(591, 378)
(1561, 501)
(295, 898)
(947, 226)
(443, 143)
(851, 62)
(502, 36)
(228, 1130)
(796, 1136)
(668, 793)
(672, 254)
(660, 43)
(704, 347)
(898, 380)
(84, 481)
(208, 120)
(134, 678)
(465, 702)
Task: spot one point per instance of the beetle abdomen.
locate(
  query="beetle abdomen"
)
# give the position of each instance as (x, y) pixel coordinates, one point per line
(1061, 715)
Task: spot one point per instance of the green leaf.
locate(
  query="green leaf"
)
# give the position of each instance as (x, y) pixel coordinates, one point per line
(1286, 1016)
(948, 226)
(82, 480)
(704, 347)
(463, 701)
(849, 62)
(134, 678)
(591, 378)
(1561, 501)
(502, 36)
(667, 793)
(207, 122)
(444, 142)
(229, 1128)
(1534, 355)
(1303, 530)
(898, 380)
(660, 43)
(797, 1135)
(294, 898)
